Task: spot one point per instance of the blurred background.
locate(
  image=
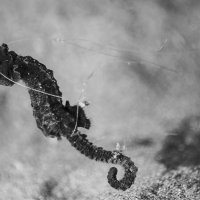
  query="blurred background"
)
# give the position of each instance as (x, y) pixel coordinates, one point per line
(135, 61)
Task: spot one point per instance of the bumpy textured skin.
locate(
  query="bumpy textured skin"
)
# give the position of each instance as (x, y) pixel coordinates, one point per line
(56, 120)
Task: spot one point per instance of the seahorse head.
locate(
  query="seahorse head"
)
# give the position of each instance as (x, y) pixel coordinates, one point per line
(7, 75)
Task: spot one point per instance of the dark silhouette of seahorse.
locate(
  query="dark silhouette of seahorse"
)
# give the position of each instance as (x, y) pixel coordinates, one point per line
(56, 120)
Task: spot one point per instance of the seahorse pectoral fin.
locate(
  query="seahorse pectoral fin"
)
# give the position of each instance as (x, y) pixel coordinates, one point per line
(79, 114)
(87, 124)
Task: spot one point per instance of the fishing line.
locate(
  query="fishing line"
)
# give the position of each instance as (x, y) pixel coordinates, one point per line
(24, 86)
(92, 50)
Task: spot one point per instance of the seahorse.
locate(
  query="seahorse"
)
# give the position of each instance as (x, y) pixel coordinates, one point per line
(56, 120)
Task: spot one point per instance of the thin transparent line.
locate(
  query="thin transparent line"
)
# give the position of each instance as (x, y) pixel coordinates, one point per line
(30, 87)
